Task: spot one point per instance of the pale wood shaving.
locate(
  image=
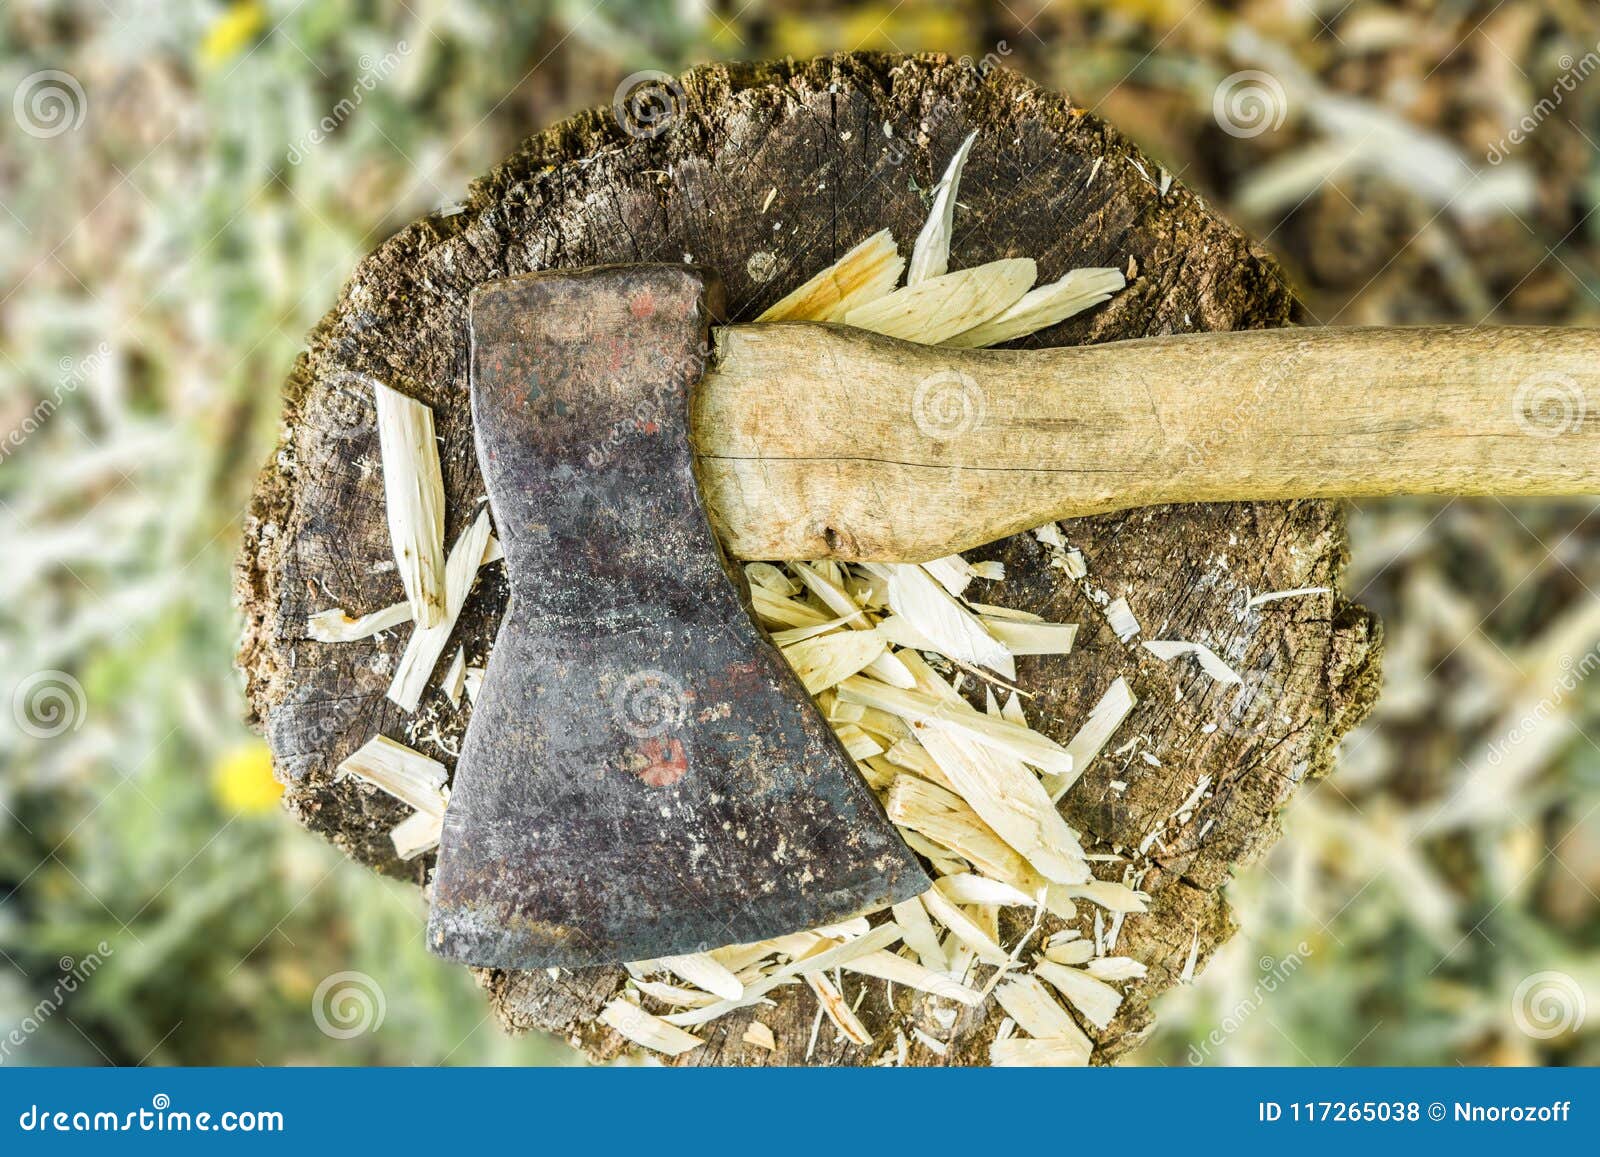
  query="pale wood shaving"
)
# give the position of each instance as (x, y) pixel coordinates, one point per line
(1117, 968)
(941, 307)
(1169, 649)
(971, 888)
(940, 620)
(642, 1028)
(863, 275)
(899, 970)
(418, 833)
(673, 994)
(1120, 617)
(1104, 719)
(965, 929)
(1043, 307)
(426, 644)
(760, 1036)
(1011, 800)
(1095, 999)
(1036, 1012)
(842, 1016)
(1021, 1053)
(930, 255)
(920, 709)
(410, 776)
(705, 972)
(413, 490)
(917, 930)
(335, 626)
(826, 660)
(1026, 638)
(455, 678)
(1278, 596)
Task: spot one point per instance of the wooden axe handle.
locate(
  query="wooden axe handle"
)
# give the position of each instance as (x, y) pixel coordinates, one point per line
(818, 441)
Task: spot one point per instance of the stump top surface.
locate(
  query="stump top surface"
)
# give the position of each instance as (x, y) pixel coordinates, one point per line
(768, 173)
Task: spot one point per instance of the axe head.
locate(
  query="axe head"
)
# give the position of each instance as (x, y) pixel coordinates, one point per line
(643, 775)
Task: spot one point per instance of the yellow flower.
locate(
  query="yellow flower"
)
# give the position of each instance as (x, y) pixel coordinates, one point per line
(234, 29)
(242, 779)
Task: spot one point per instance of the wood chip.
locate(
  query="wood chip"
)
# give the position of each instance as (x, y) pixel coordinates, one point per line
(760, 1036)
(919, 935)
(863, 275)
(414, 500)
(1020, 1053)
(919, 708)
(833, 1003)
(1278, 596)
(335, 626)
(705, 972)
(1011, 800)
(1169, 649)
(417, 834)
(640, 1027)
(1036, 1012)
(939, 621)
(1073, 952)
(455, 678)
(1043, 307)
(1025, 638)
(965, 929)
(971, 888)
(409, 776)
(1117, 968)
(428, 643)
(672, 994)
(1120, 618)
(826, 660)
(1095, 999)
(899, 970)
(941, 307)
(930, 256)
(1104, 719)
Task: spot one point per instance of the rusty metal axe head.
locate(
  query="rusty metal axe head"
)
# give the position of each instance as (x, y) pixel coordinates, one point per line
(643, 775)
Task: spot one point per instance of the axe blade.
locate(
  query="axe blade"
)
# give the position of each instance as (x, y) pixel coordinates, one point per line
(643, 775)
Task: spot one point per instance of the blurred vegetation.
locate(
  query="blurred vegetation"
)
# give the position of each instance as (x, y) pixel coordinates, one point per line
(163, 254)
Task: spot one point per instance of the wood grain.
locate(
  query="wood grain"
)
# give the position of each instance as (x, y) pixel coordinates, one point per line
(880, 449)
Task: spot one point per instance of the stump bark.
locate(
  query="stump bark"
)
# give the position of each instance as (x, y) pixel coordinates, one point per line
(766, 173)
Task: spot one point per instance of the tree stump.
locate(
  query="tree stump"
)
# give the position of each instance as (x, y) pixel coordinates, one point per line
(766, 173)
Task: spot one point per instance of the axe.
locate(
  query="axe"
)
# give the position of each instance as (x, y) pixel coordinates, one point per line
(642, 775)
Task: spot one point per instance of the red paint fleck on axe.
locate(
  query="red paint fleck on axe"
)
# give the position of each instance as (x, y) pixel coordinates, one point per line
(664, 762)
(642, 305)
